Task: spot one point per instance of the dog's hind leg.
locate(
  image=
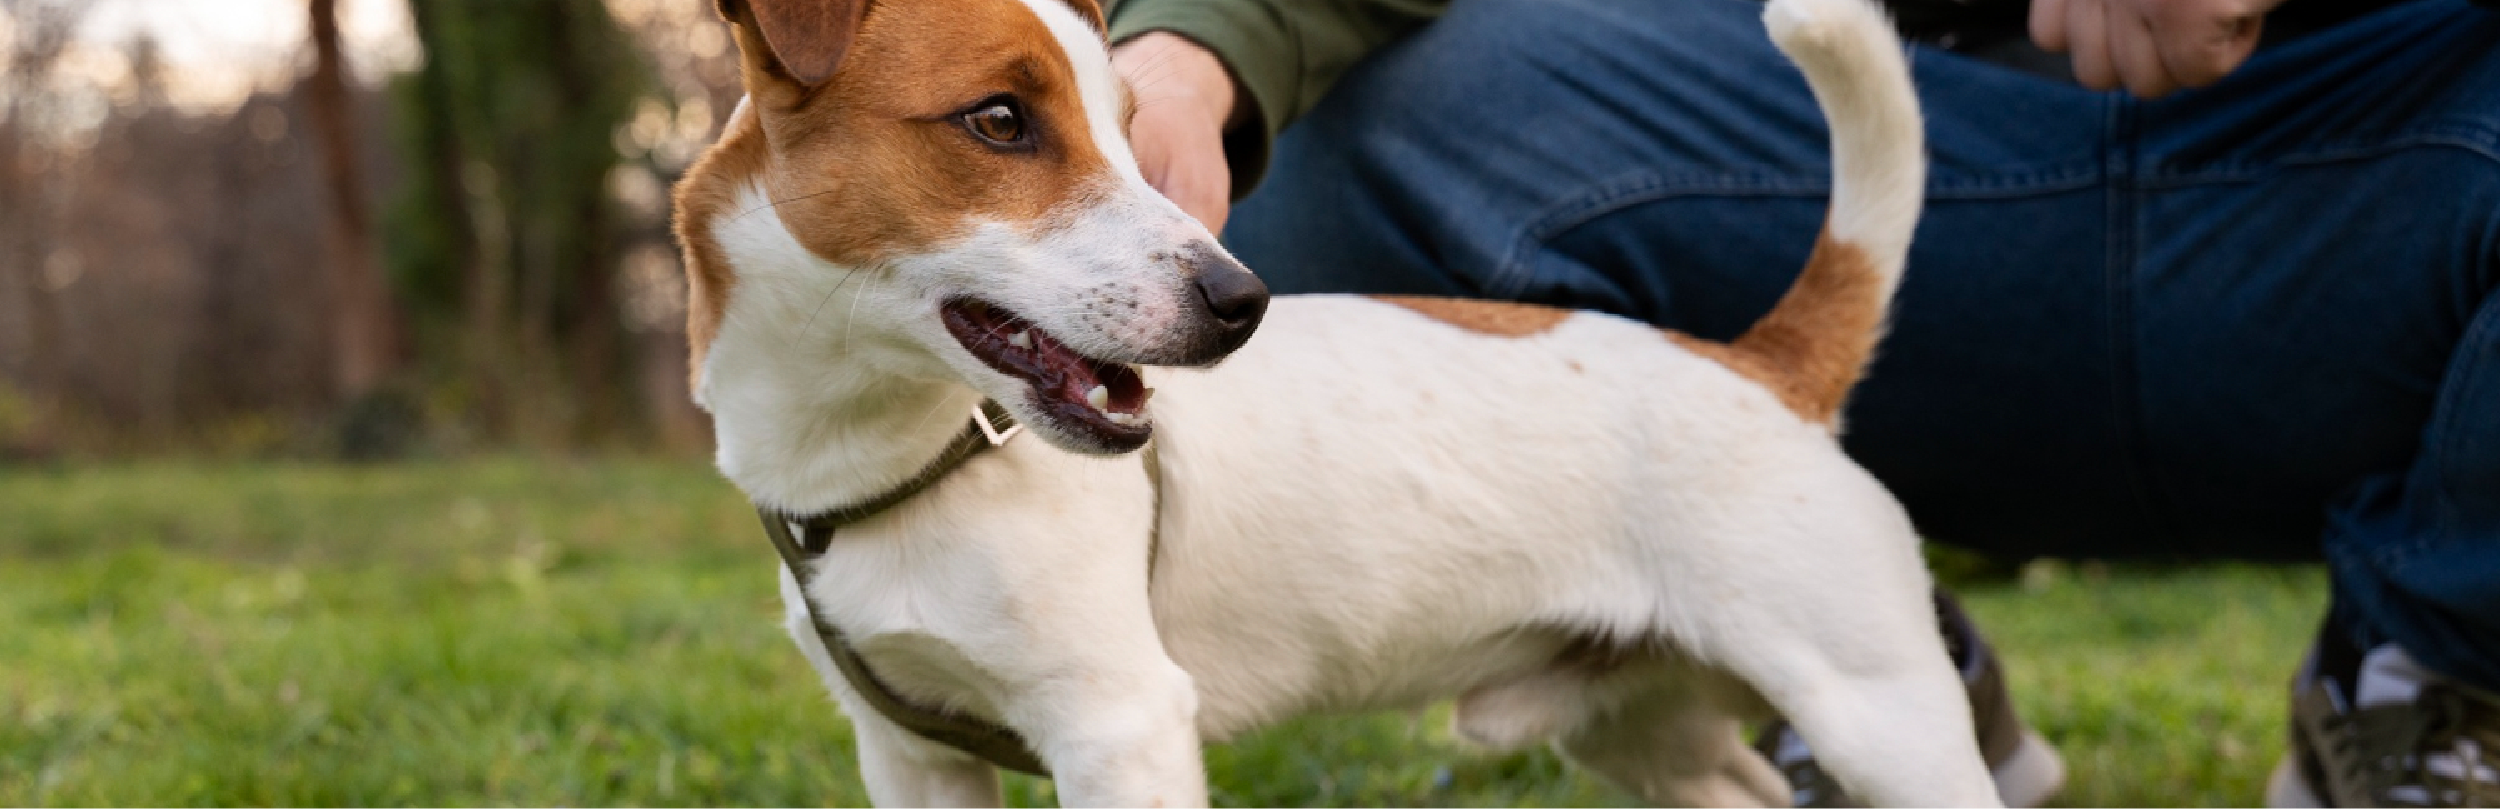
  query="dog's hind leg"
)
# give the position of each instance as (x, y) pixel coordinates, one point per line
(1677, 746)
(1840, 636)
(1893, 735)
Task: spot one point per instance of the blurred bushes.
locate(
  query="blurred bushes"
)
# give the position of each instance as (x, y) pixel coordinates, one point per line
(166, 279)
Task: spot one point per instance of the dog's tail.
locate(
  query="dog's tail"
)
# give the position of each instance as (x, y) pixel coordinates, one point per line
(1819, 338)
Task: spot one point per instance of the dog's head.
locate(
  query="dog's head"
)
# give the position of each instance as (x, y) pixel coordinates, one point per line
(963, 167)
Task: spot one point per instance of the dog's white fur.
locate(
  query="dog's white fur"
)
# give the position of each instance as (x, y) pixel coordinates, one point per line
(1590, 535)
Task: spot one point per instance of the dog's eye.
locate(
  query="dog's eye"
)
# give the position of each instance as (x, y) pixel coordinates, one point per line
(1000, 123)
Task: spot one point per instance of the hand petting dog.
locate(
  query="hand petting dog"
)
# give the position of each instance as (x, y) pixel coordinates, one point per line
(1185, 103)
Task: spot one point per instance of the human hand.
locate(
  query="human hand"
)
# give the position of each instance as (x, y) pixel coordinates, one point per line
(2152, 47)
(1185, 102)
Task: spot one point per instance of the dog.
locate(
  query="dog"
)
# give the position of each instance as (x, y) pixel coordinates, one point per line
(1590, 532)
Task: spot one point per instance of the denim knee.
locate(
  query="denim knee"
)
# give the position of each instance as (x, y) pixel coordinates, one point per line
(1423, 168)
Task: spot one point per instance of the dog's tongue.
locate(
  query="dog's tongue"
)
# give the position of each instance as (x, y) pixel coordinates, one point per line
(1070, 377)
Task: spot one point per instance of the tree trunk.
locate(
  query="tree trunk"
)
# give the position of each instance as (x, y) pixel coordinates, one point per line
(471, 223)
(364, 329)
(23, 246)
(595, 331)
(27, 200)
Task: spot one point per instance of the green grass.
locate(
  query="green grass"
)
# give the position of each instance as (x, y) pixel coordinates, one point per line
(534, 632)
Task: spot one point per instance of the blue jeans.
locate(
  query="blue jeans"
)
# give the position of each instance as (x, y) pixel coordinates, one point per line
(2255, 321)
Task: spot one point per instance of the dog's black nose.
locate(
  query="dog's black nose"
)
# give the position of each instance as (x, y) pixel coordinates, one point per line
(1233, 295)
(1234, 301)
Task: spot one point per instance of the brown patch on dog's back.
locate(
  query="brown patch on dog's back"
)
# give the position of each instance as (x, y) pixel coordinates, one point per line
(1745, 363)
(1815, 344)
(1496, 318)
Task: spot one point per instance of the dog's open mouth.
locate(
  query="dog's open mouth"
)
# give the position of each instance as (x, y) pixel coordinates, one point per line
(1106, 400)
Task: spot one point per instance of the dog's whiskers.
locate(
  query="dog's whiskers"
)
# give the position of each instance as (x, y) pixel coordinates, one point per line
(853, 321)
(810, 326)
(777, 203)
(924, 417)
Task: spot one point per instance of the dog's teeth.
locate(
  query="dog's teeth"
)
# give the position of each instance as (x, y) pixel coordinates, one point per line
(1122, 419)
(1099, 398)
(1143, 398)
(1022, 339)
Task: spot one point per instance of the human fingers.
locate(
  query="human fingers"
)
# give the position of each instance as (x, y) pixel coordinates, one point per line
(2048, 24)
(2200, 41)
(1184, 99)
(1182, 155)
(2087, 41)
(2135, 53)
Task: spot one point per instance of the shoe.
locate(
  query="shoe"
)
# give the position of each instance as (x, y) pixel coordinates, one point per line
(2389, 733)
(2027, 770)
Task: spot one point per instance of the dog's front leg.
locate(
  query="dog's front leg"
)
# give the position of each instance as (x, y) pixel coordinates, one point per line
(902, 769)
(899, 767)
(1121, 735)
(1068, 634)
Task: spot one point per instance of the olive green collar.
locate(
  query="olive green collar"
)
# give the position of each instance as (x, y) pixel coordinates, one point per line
(991, 425)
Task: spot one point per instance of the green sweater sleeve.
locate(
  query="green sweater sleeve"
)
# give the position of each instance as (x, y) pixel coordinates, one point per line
(1285, 53)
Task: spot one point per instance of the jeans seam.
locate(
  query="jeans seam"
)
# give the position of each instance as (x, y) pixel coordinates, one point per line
(1511, 273)
(2481, 141)
(2121, 263)
(2055, 181)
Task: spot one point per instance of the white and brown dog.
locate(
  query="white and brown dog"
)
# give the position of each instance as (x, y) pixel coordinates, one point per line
(1589, 531)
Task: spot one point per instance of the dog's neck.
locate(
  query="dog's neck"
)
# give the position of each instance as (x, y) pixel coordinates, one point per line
(806, 446)
(811, 410)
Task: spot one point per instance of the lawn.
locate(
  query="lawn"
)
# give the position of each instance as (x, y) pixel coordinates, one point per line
(596, 633)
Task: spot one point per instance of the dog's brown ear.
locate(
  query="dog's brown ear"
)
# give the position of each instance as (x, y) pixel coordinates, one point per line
(808, 37)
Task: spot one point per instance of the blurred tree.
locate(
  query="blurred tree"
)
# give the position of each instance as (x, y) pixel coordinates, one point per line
(147, 70)
(505, 237)
(364, 327)
(39, 33)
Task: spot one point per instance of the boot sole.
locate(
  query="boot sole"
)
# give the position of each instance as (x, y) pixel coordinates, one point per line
(2285, 789)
